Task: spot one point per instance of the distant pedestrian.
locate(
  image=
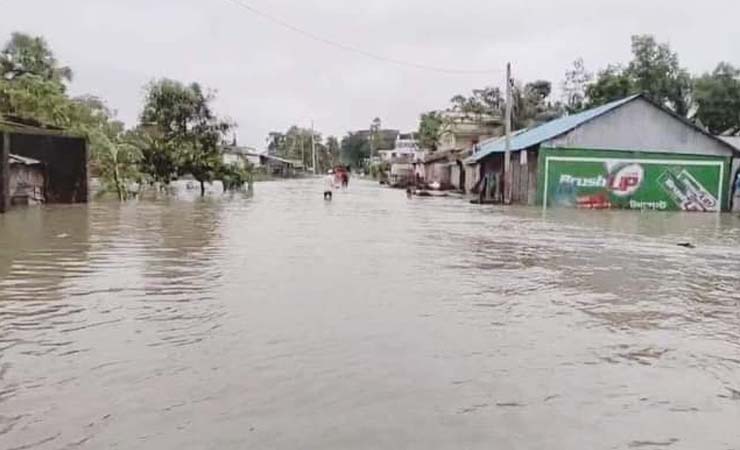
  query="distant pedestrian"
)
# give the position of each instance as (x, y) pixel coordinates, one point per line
(329, 185)
(345, 179)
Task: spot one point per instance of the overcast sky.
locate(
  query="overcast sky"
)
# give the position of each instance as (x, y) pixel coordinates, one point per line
(268, 78)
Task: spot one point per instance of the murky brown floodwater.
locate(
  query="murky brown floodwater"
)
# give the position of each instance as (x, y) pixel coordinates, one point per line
(282, 322)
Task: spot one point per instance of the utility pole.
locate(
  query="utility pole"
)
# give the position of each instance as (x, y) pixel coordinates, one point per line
(508, 179)
(303, 152)
(372, 148)
(313, 149)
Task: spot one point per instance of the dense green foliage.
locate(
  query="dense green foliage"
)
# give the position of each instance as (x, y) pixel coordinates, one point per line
(712, 99)
(717, 97)
(234, 177)
(355, 149)
(179, 133)
(295, 144)
(27, 55)
(654, 70)
(188, 135)
(432, 126)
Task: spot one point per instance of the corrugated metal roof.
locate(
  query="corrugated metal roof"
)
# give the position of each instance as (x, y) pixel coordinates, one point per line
(539, 134)
(236, 150)
(282, 160)
(28, 126)
(732, 140)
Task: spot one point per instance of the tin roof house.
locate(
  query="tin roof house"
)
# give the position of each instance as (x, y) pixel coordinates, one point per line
(630, 154)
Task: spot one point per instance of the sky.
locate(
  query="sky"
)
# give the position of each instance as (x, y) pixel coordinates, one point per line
(267, 77)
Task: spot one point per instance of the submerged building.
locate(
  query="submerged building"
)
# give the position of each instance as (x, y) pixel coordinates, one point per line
(630, 154)
(40, 164)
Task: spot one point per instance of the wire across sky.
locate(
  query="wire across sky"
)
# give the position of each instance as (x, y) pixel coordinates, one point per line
(352, 49)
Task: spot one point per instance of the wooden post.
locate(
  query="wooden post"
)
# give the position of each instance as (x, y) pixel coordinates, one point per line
(507, 127)
(5, 172)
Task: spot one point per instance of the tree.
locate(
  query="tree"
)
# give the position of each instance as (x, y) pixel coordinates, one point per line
(234, 177)
(117, 160)
(654, 71)
(275, 142)
(115, 154)
(432, 127)
(187, 132)
(31, 97)
(484, 101)
(27, 55)
(717, 97)
(330, 154)
(538, 91)
(354, 149)
(611, 84)
(531, 105)
(577, 79)
(376, 137)
(294, 144)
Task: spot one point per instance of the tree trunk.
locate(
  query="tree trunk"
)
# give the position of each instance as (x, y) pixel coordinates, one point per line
(119, 188)
(202, 189)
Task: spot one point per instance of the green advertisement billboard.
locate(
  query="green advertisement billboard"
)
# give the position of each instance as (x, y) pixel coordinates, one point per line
(631, 180)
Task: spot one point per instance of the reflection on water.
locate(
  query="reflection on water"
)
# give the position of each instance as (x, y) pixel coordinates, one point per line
(282, 321)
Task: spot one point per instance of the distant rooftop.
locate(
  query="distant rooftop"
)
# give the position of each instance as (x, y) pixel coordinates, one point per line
(241, 150)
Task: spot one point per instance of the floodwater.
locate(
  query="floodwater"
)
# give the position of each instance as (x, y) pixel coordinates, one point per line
(285, 322)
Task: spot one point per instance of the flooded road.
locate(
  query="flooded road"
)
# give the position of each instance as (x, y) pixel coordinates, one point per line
(284, 322)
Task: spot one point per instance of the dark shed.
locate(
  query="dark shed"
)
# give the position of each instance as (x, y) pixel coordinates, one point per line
(63, 155)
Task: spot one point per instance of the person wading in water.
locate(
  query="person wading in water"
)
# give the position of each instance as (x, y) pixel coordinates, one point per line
(329, 185)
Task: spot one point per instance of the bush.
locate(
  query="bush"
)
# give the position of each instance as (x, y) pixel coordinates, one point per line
(234, 177)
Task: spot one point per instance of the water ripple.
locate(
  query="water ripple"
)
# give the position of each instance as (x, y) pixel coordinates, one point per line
(374, 321)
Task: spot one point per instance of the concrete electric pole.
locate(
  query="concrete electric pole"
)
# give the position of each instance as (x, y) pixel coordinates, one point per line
(507, 127)
(313, 149)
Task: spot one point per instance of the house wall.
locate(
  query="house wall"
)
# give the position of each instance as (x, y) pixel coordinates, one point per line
(438, 172)
(65, 159)
(524, 178)
(734, 185)
(254, 160)
(640, 125)
(4, 172)
(591, 178)
(233, 159)
(455, 177)
(472, 177)
(26, 184)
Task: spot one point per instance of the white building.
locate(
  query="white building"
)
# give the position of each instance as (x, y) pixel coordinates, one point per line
(406, 148)
(463, 131)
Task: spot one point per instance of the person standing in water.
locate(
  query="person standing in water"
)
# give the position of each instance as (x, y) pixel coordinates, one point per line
(329, 185)
(345, 179)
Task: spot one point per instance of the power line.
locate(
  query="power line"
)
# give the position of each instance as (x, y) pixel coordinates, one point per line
(353, 49)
